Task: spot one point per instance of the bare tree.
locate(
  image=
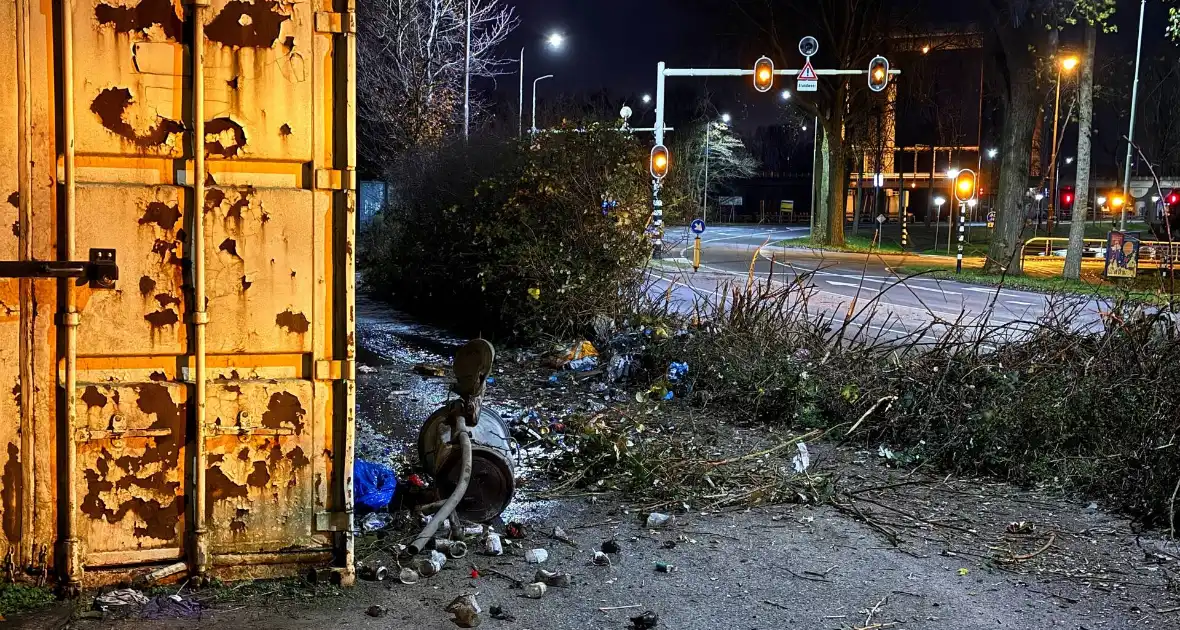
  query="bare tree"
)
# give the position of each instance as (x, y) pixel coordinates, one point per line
(1077, 228)
(411, 58)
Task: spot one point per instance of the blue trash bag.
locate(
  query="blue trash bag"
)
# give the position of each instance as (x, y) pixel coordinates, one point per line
(374, 484)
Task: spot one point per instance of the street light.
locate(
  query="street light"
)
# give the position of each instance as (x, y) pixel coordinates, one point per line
(1067, 64)
(554, 41)
(938, 201)
(725, 118)
(1101, 201)
(952, 172)
(1068, 161)
(646, 98)
(992, 153)
(548, 76)
(786, 95)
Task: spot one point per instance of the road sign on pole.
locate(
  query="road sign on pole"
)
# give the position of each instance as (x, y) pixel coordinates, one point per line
(808, 81)
(698, 226)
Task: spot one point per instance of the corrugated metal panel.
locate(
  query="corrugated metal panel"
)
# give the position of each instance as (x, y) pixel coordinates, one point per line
(277, 247)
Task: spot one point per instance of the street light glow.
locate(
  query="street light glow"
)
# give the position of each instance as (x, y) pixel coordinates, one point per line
(925, 49)
(1069, 63)
(939, 200)
(1101, 201)
(804, 127)
(1069, 160)
(1039, 196)
(725, 118)
(786, 95)
(1117, 201)
(647, 98)
(992, 153)
(952, 172)
(555, 40)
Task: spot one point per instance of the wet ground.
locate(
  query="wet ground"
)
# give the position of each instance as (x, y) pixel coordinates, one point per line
(895, 550)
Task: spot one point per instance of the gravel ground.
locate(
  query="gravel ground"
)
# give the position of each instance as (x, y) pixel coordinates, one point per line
(894, 549)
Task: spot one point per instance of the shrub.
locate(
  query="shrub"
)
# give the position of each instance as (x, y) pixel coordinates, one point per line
(515, 240)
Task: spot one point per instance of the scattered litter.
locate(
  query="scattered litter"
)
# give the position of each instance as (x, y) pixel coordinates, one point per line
(428, 567)
(676, 371)
(454, 549)
(377, 610)
(373, 573)
(559, 580)
(515, 531)
(500, 614)
(583, 365)
(1093, 506)
(120, 597)
(1021, 527)
(408, 576)
(536, 556)
(668, 395)
(491, 380)
(375, 521)
(664, 567)
(801, 461)
(646, 621)
(656, 520)
(492, 545)
(536, 590)
(561, 535)
(599, 387)
(601, 559)
(431, 369)
(964, 571)
(668, 544)
(374, 484)
(565, 356)
(474, 530)
(475, 574)
(611, 546)
(366, 369)
(466, 611)
(620, 367)
(172, 607)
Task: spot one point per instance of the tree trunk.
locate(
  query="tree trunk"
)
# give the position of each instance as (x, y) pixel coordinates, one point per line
(820, 221)
(1077, 228)
(838, 178)
(1020, 119)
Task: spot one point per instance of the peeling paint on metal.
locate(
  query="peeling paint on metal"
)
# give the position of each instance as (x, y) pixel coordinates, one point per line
(94, 398)
(247, 24)
(157, 377)
(284, 411)
(285, 130)
(246, 284)
(161, 214)
(219, 488)
(229, 246)
(141, 17)
(14, 199)
(293, 322)
(162, 318)
(12, 495)
(224, 137)
(146, 285)
(111, 106)
(260, 476)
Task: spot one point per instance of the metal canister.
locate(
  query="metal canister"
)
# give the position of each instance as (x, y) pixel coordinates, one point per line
(493, 480)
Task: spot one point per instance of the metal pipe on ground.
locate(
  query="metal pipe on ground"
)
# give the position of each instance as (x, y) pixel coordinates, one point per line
(464, 437)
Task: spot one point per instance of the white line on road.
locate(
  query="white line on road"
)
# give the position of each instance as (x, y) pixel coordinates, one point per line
(849, 284)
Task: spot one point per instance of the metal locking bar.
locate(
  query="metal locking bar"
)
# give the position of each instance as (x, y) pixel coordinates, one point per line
(101, 271)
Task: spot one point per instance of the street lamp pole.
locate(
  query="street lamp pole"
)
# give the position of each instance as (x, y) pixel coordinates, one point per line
(467, 78)
(705, 192)
(520, 100)
(1053, 159)
(1131, 128)
(548, 76)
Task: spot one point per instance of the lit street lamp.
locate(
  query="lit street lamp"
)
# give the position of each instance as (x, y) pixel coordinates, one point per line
(646, 98)
(786, 95)
(992, 153)
(534, 127)
(725, 118)
(1067, 65)
(555, 41)
(938, 201)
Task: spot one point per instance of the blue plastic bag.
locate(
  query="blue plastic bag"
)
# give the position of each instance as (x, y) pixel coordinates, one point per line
(374, 484)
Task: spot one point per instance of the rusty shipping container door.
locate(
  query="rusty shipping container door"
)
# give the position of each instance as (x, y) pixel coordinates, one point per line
(198, 409)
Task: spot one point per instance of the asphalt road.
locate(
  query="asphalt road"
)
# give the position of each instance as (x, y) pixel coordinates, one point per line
(885, 303)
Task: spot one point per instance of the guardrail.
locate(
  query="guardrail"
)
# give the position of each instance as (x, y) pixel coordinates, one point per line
(1152, 254)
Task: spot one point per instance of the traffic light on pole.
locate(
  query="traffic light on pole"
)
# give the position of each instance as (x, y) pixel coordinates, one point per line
(763, 74)
(1067, 198)
(878, 73)
(965, 185)
(1172, 199)
(660, 161)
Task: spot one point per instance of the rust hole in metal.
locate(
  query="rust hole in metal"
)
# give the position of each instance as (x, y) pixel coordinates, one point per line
(293, 322)
(285, 130)
(162, 318)
(165, 300)
(161, 214)
(260, 476)
(216, 131)
(142, 17)
(94, 398)
(229, 246)
(284, 409)
(146, 285)
(12, 494)
(247, 24)
(111, 105)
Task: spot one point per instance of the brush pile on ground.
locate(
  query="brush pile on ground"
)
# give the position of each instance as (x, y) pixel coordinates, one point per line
(1095, 412)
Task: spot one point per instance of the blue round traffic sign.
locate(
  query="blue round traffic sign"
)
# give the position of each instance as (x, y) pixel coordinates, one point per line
(698, 226)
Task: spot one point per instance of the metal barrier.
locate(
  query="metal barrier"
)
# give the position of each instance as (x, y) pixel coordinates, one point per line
(1152, 254)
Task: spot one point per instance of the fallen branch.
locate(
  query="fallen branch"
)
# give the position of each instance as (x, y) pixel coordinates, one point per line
(868, 413)
(770, 451)
(1030, 556)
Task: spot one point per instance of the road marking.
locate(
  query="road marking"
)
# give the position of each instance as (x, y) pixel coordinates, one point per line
(849, 284)
(1019, 303)
(934, 290)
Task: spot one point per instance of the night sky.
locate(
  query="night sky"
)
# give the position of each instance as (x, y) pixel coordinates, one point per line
(614, 45)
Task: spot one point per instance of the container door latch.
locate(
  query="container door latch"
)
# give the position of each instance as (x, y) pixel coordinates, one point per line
(100, 272)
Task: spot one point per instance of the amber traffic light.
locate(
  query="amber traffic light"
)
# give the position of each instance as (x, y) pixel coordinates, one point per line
(764, 74)
(878, 73)
(965, 185)
(660, 161)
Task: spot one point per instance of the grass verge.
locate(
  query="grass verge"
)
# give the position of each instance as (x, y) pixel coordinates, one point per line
(854, 244)
(21, 598)
(1039, 284)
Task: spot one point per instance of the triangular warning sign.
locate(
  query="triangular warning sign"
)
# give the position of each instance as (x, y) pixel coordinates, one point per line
(807, 73)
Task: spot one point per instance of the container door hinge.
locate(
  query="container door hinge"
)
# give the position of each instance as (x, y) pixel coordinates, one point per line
(333, 521)
(335, 370)
(335, 179)
(332, 22)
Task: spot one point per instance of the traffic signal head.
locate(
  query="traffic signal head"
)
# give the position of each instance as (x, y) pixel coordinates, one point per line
(763, 74)
(965, 185)
(1173, 198)
(660, 161)
(878, 73)
(1067, 197)
(1117, 201)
